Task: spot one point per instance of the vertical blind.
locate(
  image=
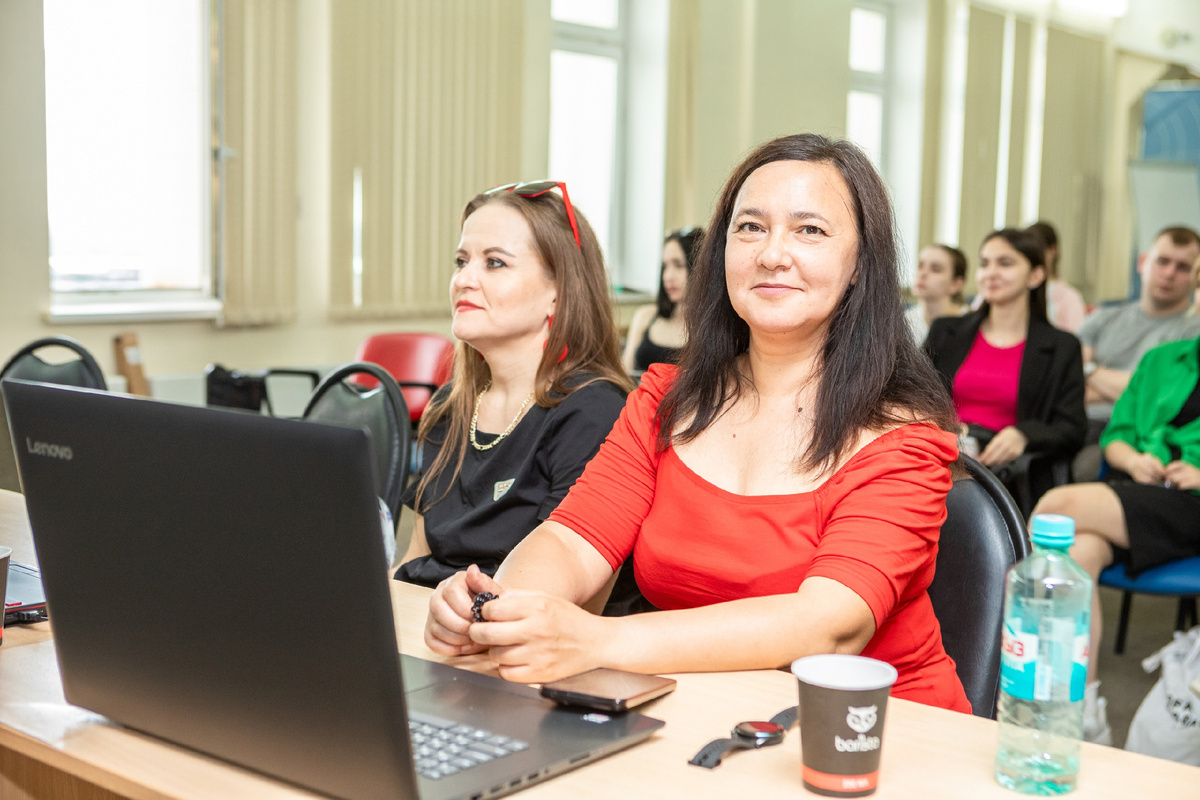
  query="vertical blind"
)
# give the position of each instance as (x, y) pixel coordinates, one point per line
(1073, 151)
(680, 205)
(258, 248)
(426, 112)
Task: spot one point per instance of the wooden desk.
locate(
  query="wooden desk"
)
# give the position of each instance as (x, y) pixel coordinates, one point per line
(51, 749)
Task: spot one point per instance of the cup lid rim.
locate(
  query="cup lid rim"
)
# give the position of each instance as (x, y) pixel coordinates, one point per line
(845, 667)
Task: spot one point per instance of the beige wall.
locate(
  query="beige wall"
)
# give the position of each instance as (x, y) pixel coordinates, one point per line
(753, 70)
(1132, 76)
(981, 131)
(1072, 152)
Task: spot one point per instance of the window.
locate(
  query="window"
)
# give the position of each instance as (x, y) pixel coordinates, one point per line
(866, 105)
(586, 98)
(608, 122)
(129, 158)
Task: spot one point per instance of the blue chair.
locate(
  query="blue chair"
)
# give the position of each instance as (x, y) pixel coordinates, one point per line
(1176, 578)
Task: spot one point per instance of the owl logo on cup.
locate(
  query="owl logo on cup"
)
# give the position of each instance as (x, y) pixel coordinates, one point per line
(861, 718)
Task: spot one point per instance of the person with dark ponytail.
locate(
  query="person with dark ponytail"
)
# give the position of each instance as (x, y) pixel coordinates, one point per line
(941, 274)
(1016, 380)
(781, 490)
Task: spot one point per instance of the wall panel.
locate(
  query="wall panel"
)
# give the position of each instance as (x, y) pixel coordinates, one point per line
(1072, 152)
(981, 130)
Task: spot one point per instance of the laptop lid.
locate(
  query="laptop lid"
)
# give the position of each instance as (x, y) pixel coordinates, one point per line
(244, 556)
(257, 622)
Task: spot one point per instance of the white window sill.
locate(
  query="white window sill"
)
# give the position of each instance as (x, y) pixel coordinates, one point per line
(632, 297)
(69, 309)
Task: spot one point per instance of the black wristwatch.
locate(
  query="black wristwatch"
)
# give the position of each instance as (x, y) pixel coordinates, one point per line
(746, 736)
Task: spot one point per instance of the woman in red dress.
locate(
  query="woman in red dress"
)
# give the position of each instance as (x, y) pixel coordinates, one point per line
(781, 491)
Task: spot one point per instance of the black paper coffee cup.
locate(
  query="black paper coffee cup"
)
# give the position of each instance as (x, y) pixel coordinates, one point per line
(843, 699)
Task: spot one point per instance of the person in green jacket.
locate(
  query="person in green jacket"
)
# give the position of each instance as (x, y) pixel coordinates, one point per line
(1147, 512)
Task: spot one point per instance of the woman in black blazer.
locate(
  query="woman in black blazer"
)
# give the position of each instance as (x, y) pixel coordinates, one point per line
(1008, 341)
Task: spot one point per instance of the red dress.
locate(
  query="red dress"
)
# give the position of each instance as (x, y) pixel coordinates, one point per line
(873, 526)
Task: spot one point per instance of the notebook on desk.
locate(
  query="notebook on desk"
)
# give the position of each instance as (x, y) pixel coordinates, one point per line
(257, 622)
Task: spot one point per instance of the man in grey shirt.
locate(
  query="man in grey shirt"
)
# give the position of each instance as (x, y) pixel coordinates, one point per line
(1115, 339)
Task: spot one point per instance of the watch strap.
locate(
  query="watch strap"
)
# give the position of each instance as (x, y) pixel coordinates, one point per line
(710, 755)
(786, 718)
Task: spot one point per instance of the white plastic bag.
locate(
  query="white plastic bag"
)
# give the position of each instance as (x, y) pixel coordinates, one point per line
(1167, 723)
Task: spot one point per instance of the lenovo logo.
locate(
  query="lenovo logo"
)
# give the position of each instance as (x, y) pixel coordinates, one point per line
(47, 449)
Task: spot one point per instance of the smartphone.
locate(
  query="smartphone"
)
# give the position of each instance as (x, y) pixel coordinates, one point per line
(607, 689)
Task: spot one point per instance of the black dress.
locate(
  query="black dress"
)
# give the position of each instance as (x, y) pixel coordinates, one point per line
(649, 353)
(502, 494)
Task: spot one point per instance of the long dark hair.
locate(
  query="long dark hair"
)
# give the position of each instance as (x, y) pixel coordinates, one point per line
(1045, 231)
(1029, 244)
(871, 375)
(582, 347)
(688, 240)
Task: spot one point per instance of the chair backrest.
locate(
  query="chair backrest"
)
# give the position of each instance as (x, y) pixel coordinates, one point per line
(27, 365)
(982, 537)
(380, 411)
(420, 363)
(83, 371)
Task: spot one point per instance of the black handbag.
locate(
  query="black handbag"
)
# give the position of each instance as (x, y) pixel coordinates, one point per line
(236, 389)
(245, 390)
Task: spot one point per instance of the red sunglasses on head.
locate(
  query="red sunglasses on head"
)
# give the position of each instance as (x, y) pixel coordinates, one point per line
(539, 188)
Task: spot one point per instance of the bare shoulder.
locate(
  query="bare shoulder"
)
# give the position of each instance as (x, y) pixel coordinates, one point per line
(643, 316)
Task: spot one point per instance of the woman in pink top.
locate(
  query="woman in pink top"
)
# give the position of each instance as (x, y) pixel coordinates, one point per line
(1017, 381)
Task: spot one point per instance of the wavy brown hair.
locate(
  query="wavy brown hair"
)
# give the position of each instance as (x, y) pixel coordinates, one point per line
(871, 375)
(583, 324)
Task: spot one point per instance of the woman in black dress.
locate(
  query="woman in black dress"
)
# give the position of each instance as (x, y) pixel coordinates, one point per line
(657, 333)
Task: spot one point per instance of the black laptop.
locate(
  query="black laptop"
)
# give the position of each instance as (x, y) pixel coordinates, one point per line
(257, 619)
(24, 600)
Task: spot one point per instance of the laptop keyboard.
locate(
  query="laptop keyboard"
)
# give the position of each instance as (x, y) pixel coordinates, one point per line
(442, 747)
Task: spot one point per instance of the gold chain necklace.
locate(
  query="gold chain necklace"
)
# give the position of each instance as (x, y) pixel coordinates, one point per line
(507, 431)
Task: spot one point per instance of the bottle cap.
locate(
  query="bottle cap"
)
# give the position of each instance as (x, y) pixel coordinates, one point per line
(1052, 530)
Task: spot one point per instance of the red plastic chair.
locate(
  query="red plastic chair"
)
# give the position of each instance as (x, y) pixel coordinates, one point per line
(420, 363)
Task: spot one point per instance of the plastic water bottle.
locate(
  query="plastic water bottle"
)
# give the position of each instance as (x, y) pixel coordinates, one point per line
(1043, 666)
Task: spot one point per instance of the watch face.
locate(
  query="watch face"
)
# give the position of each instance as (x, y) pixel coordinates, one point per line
(758, 734)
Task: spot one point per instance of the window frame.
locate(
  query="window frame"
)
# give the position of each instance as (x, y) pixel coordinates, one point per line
(153, 305)
(607, 43)
(880, 83)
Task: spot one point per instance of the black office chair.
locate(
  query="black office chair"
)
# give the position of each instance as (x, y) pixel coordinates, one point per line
(380, 411)
(27, 365)
(983, 535)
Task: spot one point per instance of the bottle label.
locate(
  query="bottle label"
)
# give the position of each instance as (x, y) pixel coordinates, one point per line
(1050, 664)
